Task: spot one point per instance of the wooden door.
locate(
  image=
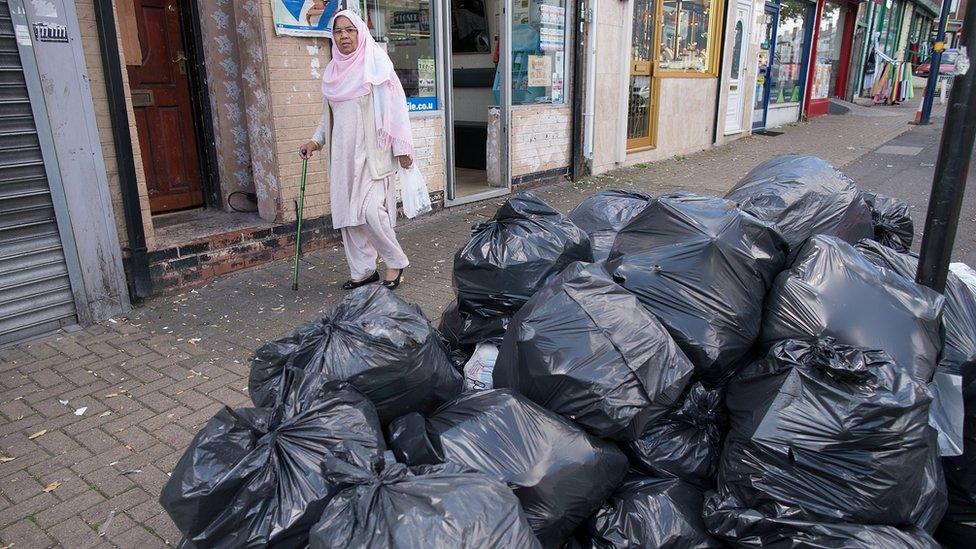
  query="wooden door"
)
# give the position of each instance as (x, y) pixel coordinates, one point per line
(164, 113)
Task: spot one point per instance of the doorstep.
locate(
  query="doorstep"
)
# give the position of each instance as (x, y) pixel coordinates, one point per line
(200, 258)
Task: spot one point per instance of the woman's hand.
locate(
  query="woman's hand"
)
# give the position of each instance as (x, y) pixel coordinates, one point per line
(405, 161)
(306, 150)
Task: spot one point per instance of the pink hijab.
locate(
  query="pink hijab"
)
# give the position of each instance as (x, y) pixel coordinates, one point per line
(370, 69)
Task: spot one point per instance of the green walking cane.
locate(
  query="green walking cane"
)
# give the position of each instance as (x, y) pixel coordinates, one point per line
(299, 211)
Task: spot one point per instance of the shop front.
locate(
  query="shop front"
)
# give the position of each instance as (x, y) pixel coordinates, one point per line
(233, 89)
(832, 43)
(896, 38)
(786, 32)
(657, 82)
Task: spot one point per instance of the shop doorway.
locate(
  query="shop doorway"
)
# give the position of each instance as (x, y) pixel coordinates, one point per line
(642, 88)
(478, 98)
(767, 47)
(737, 79)
(163, 104)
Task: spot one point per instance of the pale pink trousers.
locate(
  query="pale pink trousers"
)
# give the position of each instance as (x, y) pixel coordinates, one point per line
(375, 239)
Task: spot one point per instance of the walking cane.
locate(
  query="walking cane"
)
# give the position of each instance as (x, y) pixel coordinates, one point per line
(299, 210)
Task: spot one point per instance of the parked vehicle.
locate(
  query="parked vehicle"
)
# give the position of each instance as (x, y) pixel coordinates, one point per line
(946, 65)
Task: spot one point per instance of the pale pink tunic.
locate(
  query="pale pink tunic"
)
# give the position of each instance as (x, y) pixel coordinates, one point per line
(355, 161)
(358, 171)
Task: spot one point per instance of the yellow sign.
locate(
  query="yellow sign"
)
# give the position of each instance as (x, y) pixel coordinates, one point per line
(939, 46)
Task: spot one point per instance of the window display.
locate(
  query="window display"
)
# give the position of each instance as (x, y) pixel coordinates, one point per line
(685, 36)
(828, 50)
(405, 28)
(539, 36)
(787, 70)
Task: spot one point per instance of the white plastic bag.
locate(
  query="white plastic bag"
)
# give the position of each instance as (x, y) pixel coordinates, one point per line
(413, 192)
(477, 371)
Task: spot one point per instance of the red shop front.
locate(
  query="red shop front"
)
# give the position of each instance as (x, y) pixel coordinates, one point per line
(833, 34)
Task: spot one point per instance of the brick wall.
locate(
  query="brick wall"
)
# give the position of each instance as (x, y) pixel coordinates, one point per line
(93, 61)
(540, 138)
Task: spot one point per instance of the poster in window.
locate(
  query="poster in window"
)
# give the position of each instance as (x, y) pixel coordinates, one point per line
(821, 81)
(540, 71)
(426, 77)
(469, 27)
(304, 17)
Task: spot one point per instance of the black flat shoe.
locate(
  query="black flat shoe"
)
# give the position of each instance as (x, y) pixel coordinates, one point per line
(353, 284)
(392, 284)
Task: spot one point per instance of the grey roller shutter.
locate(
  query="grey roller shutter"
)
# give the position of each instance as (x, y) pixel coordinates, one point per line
(35, 292)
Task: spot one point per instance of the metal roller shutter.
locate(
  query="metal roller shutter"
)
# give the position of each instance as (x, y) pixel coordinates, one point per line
(35, 292)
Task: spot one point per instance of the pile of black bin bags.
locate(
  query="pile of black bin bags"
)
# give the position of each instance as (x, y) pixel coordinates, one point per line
(679, 371)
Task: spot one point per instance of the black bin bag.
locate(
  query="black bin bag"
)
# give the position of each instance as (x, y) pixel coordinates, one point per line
(253, 477)
(833, 291)
(766, 529)
(648, 512)
(824, 433)
(804, 196)
(957, 436)
(462, 332)
(893, 226)
(429, 506)
(686, 443)
(602, 216)
(585, 348)
(560, 473)
(509, 258)
(956, 364)
(701, 266)
(382, 345)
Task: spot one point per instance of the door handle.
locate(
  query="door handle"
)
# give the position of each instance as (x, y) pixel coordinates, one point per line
(181, 61)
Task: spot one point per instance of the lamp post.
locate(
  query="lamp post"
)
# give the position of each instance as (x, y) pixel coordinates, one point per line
(952, 167)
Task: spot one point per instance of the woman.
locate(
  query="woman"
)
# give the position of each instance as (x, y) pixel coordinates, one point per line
(370, 126)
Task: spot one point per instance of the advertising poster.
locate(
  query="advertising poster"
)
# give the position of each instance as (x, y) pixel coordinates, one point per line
(821, 81)
(540, 71)
(303, 17)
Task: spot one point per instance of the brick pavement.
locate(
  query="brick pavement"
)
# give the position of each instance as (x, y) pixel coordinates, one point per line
(151, 380)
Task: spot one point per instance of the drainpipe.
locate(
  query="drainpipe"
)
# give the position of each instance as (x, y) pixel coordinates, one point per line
(578, 125)
(721, 69)
(138, 260)
(588, 114)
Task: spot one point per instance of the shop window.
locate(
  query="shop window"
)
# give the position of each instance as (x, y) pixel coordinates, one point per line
(686, 35)
(829, 39)
(786, 82)
(405, 28)
(539, 51)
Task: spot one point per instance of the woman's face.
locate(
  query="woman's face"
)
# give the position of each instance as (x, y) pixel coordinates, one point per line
(345, 35)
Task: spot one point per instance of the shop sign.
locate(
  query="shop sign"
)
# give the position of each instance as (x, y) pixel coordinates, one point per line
(421, 104)
(401, 18)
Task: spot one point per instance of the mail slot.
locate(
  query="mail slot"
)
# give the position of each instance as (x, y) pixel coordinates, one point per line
(143, 98)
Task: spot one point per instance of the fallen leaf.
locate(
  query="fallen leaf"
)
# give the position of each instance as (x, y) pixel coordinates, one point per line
(52, 487)
(6, 459)
(130, 448)
(37, 434)
(105, 414)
